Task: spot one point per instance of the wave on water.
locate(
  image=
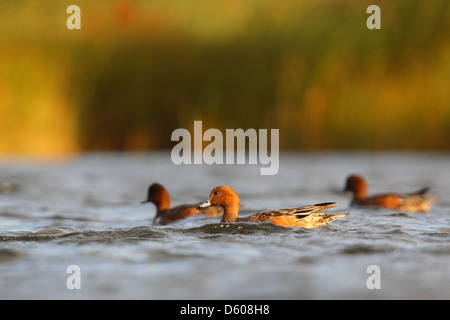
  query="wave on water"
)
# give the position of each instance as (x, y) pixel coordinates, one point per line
(58, 233)
(142, 232)
(237, 228)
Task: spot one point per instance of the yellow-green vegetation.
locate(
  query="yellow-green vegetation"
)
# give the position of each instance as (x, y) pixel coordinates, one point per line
(137, 70)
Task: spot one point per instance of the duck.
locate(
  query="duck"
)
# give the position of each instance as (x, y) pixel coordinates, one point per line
(310, 216)
(166, 214)
(413, 202)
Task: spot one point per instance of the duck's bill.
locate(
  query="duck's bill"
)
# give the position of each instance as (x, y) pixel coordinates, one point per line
(204, 205)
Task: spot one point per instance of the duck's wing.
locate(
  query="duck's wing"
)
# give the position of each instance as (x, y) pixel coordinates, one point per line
(419, 193)
(307, 217)
(297, 213)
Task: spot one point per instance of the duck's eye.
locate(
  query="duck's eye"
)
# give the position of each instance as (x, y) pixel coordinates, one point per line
(216, 193)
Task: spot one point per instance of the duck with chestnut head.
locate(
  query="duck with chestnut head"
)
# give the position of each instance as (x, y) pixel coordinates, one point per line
(310, 216)
(413, 202)
(166, 214)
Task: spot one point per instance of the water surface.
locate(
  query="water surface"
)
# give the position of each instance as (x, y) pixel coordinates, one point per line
(87, 212)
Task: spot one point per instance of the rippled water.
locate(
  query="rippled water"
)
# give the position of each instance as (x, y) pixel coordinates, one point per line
(87, 212)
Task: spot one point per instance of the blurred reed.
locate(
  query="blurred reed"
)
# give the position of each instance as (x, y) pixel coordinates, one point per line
(137, 70)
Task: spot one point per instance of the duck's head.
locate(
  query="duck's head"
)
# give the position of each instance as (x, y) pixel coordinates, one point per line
(226, 198)
(158, 195)
(356, 184)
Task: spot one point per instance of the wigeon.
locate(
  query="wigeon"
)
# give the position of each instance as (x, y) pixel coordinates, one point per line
(311, 216)
(165, 214)
(414, 202)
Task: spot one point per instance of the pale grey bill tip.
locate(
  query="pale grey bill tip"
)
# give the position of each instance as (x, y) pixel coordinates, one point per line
(205, 204)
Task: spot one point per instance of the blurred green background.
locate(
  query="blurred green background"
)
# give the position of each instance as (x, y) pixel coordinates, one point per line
(137, 70)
